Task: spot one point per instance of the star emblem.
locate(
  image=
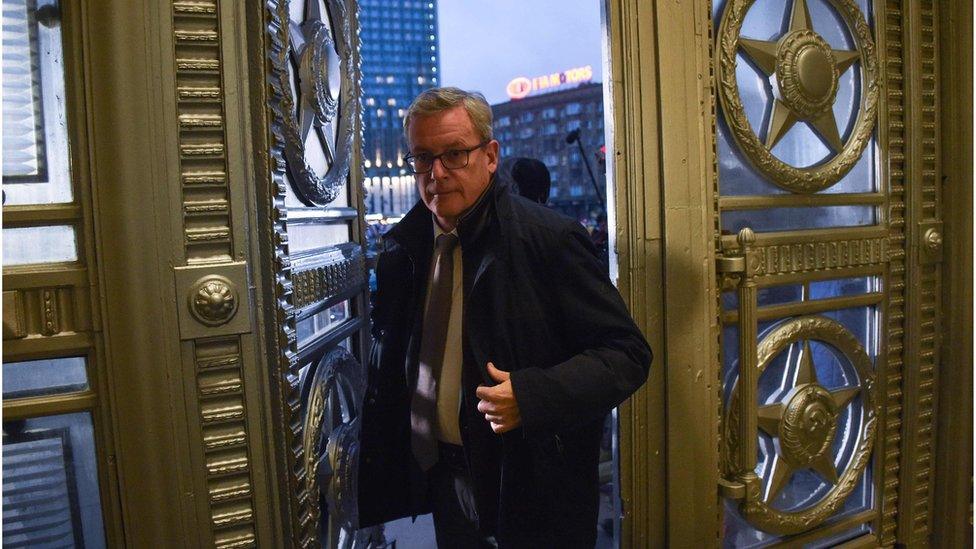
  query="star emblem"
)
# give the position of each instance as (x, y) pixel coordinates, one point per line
(317, 67)
(805, 423)
(803, 71)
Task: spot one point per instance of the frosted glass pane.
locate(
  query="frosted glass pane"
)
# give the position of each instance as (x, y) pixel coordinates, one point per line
(44, 377)
(320, 323)
(36, 165)
(785, 219)
(307, 237)
(766, 295)
(51, 244)
(844, 287)
(50, 483)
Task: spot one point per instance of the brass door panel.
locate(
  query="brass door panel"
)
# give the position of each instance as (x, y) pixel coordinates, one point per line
(821, 280)
(311, 222)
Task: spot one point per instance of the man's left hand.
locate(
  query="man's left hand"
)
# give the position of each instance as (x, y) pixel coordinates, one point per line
(498, 402)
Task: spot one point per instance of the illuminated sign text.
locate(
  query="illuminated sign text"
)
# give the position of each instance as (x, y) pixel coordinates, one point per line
(522, 86)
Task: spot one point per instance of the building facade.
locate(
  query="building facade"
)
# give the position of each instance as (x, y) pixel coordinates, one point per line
(400, 59)
(539, 126)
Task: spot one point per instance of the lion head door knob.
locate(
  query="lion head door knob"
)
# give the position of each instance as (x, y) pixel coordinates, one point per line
(213, 300)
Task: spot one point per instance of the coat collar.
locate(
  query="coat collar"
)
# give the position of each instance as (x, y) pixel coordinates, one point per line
(415, 232)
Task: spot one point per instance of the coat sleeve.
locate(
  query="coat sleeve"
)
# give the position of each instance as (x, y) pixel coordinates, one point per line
(613, 358)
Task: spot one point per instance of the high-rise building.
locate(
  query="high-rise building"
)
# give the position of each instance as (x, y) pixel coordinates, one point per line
(538, 126)
(400, 59)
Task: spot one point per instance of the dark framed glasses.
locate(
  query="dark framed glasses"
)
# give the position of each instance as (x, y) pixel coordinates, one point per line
(451, 159)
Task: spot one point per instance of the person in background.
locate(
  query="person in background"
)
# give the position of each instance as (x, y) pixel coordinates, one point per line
(499, 346)
(531, 179)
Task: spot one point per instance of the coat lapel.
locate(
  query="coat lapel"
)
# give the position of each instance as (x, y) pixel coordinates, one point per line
(482, 238)
(415, 234)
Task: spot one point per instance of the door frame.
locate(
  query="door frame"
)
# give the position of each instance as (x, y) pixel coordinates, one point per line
(663, 166)
(954, 453)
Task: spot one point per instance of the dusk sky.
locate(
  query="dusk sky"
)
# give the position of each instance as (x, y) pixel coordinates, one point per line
(486, 43)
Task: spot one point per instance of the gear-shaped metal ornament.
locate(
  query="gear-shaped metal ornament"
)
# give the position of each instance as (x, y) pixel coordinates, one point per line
(803, 71)
(313, 97)
(805, 423)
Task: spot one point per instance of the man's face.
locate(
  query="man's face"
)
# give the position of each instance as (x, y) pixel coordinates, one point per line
(449, 193)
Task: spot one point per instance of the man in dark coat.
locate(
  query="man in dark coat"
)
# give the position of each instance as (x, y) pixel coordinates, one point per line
(539, 347)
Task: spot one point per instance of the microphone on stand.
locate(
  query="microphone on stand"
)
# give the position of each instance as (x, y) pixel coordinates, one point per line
(574, 136)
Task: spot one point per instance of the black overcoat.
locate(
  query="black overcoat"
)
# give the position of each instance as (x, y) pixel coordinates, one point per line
(537, 303)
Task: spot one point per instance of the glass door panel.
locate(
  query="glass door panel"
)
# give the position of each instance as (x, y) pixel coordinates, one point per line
(36, 166)
(800, 199)
(315, 216)
(54, 442)
(50, 483)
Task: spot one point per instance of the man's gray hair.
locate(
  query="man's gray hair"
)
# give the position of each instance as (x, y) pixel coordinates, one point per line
(435, 100)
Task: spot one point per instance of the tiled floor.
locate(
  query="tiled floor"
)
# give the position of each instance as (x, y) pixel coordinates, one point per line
(412, 535)
(420, 534)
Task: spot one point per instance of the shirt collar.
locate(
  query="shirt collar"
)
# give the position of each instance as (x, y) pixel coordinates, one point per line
(439, 231)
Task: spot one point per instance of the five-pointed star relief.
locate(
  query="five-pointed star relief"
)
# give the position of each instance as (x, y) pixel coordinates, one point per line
(765, 54)
(771, 419)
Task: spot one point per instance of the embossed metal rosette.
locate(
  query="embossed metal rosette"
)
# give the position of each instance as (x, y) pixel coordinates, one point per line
(213, 300)
(804, 72)
(313, 98)
(805, 424)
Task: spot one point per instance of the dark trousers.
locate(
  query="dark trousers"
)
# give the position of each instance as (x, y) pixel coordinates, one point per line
(452, 497)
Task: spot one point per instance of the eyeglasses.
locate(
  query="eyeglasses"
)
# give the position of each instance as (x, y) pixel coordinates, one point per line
(452, 159)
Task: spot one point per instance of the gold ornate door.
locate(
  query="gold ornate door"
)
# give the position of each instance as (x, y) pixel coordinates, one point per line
(829, 269)
(783, 192)
(185, 285)
(312, 238)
